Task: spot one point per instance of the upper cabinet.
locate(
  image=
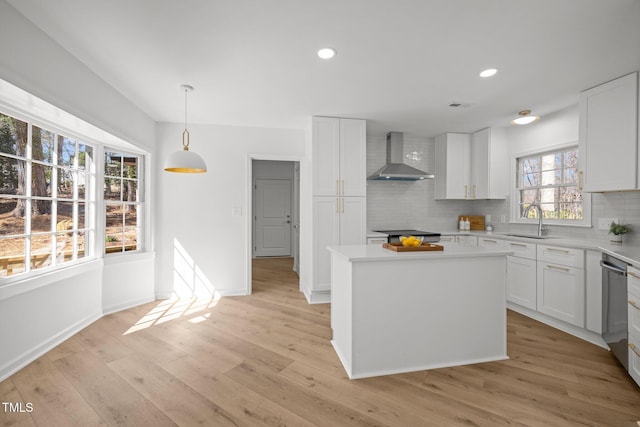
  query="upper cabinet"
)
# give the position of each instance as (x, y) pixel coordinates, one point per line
(609, 154)
(471, 166)
(339, 157)
(489, 175)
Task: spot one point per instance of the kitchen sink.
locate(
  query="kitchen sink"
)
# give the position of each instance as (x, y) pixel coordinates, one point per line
(528, 236)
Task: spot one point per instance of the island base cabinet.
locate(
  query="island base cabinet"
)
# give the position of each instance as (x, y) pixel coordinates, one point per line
(521, 281)
(561, 292)
(444, 316)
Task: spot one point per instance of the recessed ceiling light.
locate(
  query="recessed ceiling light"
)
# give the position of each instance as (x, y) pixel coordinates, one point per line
(488, 72)
(326, 53)
(524, 118)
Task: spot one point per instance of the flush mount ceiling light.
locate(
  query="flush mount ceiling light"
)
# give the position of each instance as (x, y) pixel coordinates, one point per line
(185, 161)
(488, 72)
(524, 118)
(327, 53)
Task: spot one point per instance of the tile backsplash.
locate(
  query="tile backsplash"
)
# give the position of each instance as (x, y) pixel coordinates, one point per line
(399, 204)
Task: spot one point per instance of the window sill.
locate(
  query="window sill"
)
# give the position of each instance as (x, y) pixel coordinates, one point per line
(552, 224)
(29, 284)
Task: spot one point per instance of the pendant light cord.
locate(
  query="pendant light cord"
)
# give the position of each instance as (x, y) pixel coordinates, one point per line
(185, 133)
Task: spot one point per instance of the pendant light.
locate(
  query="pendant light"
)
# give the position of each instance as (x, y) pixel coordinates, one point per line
(524, 118)
(185, 161)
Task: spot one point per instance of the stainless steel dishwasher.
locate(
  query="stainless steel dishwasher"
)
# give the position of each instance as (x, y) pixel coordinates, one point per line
(614, 307)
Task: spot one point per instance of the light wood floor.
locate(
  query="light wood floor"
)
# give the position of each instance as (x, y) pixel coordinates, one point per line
(266, 359)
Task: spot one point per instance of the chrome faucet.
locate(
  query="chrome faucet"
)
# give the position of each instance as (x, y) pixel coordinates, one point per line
(541, 228)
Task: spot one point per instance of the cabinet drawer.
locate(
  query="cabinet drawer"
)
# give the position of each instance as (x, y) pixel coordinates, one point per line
(521, 249)
(634, 358)
(487, 242)
(563, 256)
(633, 313)
(376, 240)
(447, 239)
(633, 281)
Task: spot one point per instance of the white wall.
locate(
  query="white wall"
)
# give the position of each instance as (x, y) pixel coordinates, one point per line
(41, 312)
(36, 318)
(34, 62)
(202, 247)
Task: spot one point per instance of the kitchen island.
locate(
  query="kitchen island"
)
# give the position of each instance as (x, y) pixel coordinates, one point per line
(395, 312)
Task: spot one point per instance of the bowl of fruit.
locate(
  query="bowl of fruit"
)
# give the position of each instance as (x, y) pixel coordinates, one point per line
(411, 241)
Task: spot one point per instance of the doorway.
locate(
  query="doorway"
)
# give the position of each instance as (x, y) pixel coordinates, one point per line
(275, 211)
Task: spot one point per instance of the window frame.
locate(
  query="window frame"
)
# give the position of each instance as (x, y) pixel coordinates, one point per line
(515, 195)
(90, 199)
(141, 214)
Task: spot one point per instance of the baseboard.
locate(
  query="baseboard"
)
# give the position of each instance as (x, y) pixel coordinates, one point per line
(317, 297)
(29, 356)
(125, 305)
(576, 331)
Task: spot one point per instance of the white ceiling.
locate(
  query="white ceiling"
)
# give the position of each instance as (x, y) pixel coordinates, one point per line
(400, 63)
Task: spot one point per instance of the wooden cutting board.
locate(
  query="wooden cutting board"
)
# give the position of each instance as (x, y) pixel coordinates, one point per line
(397, 247)
(477, 221)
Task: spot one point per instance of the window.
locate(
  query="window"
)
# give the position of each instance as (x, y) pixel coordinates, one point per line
(551, 181)
(46, 200)
(123, 202)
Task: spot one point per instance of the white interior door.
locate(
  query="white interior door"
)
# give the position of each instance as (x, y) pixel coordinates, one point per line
(273, 217)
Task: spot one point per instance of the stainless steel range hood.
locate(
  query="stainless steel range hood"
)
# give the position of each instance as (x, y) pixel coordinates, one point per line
(395, 169)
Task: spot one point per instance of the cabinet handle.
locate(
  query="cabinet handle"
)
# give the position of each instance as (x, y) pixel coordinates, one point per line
(634, 349)
(474, 191)
(337, 188)
(343, 187)
(633, 304)
(489, 241)
(555, 267)
(632, 274)
(343, 205)
(560, 251)
(337, 205)
(580, 179)
(465, 191)
(521, 245)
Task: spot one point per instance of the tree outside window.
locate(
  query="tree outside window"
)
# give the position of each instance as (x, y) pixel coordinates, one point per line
(123, 202)
(46, 206)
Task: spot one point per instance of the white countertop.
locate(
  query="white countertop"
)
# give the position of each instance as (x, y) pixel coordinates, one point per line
(628, 254)
(378, 253)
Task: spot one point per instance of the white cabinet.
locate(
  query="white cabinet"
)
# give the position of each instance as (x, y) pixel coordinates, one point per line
(608, 135)
(459, 240)
(490, 242)
(489, 173)
(471, 166)
(561, 286)
(376, 240)
(452, 166)
(521, 281)
(339, 157)
(521, 274)
(633, 313)
(593, 291)
(339, 191)
(337, 221)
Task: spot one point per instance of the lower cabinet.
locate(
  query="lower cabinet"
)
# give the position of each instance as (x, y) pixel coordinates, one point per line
(521, 281)
(336, 221)
(633, 313)
(561, 284)
(561, 292)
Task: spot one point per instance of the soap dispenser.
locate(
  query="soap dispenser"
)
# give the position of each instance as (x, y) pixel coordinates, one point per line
(467, 225)
(461, 224)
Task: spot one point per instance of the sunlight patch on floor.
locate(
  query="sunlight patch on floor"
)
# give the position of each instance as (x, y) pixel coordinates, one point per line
(174, 309)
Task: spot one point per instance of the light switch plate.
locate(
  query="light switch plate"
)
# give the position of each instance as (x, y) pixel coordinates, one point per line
(604, 223)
